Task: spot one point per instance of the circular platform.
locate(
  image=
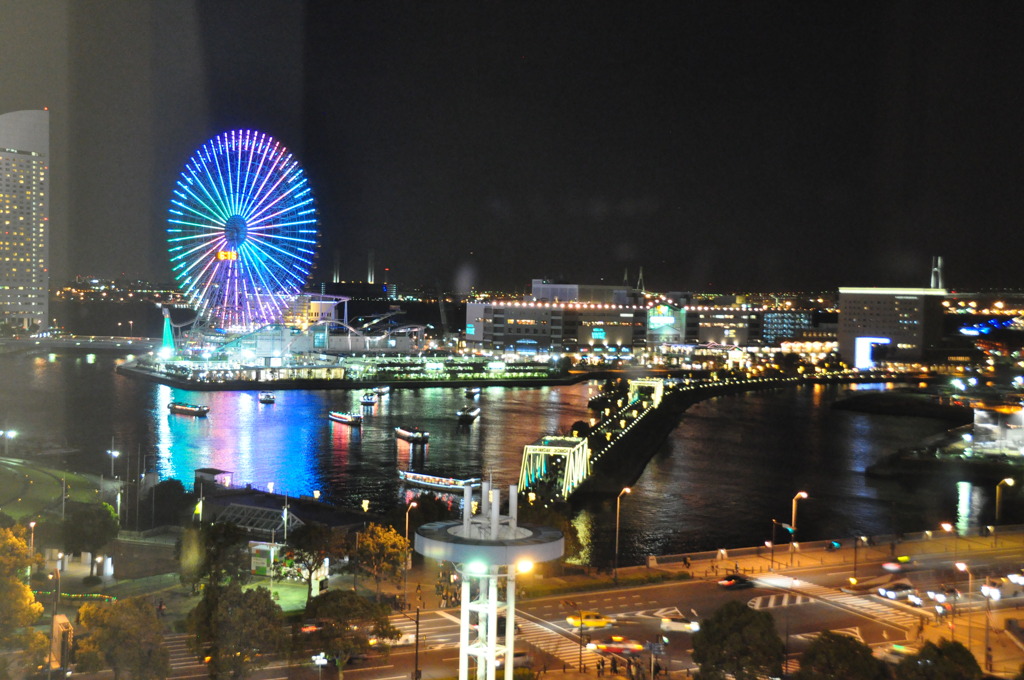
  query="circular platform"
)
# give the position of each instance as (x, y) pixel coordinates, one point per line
(445, 541)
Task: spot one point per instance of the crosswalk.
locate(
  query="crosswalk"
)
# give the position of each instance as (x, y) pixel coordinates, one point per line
(778, 600)
(439, 630)
(184, 663)
(860, 604)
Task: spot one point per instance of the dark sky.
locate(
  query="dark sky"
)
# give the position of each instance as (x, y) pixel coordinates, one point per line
(721, 146)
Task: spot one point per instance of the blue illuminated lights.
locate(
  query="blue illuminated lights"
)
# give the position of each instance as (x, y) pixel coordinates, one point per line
(242, 230)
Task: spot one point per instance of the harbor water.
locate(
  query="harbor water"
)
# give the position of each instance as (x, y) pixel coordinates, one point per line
(731, 466)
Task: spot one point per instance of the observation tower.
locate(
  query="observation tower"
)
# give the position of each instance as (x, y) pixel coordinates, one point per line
(488, 549)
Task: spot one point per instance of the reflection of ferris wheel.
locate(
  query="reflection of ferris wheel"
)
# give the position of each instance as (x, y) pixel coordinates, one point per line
(242, 230)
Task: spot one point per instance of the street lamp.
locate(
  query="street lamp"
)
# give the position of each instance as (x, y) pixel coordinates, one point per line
(31, 545)
(618, 505)
(856, 541)
(113, 455)
(950, 529)
(991, 593)
(962, 566)
(53, 626)
(408, 554)
(8, 435)
(792, 541)
(999, 496)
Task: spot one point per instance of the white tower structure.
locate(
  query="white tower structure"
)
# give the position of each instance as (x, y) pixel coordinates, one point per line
(24, 218)
(488, 549)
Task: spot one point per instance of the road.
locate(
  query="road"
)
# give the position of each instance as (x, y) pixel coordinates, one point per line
(804, 602)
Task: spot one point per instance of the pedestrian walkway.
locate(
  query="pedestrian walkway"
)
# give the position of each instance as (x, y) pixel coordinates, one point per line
(865, 605)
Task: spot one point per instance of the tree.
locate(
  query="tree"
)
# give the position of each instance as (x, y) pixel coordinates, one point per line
(344, 625)
(88, 527)
(169, 502)
(547, 516)
(18, 606)
(235, 630)
(380, 552)
(309, 548)
(945, 661)
(740, 641)
(832, 655)
(125, 636)
(218, 553)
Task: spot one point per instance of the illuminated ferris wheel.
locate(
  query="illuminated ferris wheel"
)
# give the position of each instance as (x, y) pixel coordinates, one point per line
(242, 231)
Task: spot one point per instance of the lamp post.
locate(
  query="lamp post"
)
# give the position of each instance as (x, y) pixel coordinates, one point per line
(405, 563)
(962, 566)
(113, 455)
(8, 435)
(618, 506)
(999, 497)
(991, 593)
(573, 606)
(31, 545)
(950, 529)
(856, 541)
(53, 622)
(792, 541)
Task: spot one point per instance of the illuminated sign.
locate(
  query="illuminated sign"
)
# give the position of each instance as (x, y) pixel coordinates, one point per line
(598, 334)
(495, 365)
(227, 255)
(431, 366)
(470, 329)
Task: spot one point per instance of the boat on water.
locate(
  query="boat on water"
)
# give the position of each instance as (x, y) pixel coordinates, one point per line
(181, 408)
(472, 392)
(412, 434)
(382, 389)
(368, 399)
(353, 419)
(436, 482)
(267, 398)
(468, 413)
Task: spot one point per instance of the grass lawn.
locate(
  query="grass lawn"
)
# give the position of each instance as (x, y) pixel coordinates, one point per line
(29, 490)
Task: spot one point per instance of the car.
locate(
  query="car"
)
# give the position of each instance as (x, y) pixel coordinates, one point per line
(403, 640)
(616, 644)
(901, 591)
(736, 581)
(943, 593)
(590, 620)
(678, 624)
(520, 659)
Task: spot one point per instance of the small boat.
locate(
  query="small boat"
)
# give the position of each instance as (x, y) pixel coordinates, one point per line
(412, 434)
(267, 398)
(181, 408)
(468, 413)
(472, 392)
(382, 389)
(439, 483)
(353, 419)
(368, 399)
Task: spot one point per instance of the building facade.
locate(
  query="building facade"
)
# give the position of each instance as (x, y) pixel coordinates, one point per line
(24, 219)
(893, 325)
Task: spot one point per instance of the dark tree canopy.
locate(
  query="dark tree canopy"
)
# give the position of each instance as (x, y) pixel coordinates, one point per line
(344, 624)
(125, 636)
(944, 661)
(236, 630)
(740, 641)
(310, 546)
(218, 553)
(380, 552)
(88, 527)
(832, 655)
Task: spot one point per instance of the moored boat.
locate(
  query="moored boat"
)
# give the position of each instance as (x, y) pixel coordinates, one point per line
(468, 413)
(472, 392)
(436, 482)
(368, 399)
(412, 434)
(181, 408)
(353, 419)
(382, 389)
(267, 398)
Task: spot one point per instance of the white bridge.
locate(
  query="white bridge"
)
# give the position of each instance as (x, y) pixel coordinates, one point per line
(565, 462)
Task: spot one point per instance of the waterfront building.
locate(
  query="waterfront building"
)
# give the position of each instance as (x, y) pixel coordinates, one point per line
(24, 219)
(889, 325)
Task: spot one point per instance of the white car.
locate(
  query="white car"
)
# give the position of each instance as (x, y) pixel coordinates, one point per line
(679, 624)
(520, 659)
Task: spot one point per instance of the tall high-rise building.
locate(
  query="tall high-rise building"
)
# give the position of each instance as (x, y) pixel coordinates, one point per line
(24, 218)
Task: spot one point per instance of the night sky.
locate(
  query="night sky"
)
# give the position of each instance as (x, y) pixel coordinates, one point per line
(721, 146)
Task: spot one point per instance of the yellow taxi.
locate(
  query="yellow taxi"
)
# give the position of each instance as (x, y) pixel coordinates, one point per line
(589, 620)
